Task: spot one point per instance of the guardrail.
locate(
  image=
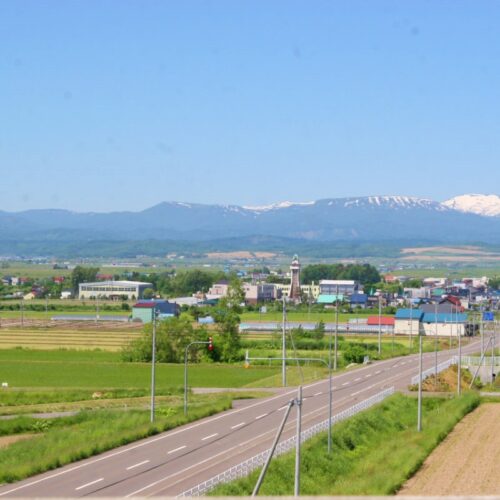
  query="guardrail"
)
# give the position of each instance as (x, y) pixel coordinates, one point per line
(245, 468)
(441, 367)
(474, 360)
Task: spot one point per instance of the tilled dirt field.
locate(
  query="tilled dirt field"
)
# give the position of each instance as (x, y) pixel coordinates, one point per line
(467, 462)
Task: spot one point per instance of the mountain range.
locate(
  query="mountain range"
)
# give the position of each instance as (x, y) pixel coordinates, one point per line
(464, 219)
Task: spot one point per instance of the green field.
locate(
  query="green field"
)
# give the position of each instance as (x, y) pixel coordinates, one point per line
(70, 369)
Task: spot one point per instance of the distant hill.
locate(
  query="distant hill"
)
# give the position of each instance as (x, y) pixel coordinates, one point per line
(357, 221)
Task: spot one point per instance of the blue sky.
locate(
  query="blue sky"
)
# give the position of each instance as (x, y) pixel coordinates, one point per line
(111, 105)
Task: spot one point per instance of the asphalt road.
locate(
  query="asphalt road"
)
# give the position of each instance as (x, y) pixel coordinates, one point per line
(173, 462)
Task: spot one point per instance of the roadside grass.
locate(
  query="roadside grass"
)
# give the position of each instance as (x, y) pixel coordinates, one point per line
(73, 438)
(373, 453)
(15, 398)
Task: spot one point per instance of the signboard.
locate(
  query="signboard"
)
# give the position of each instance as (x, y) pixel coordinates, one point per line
(488, 316)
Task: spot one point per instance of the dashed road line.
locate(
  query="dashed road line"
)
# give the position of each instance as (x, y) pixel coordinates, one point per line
(138, 465)
(238, 425)
(89, 484)
(176, 449)
(261, 416)
(211, 436)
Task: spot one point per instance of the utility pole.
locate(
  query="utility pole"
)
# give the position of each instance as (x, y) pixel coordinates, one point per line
(263, 471)
(153, 365)
(419, 410)
(411, 326)
(436, 345)
(493, 351)
(296, 488)
(336, 332)
(283, 365)
(379, 323)
(459, 381)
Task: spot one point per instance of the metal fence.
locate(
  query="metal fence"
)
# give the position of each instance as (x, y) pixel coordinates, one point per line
(441, 367)
(474, 360)
(245, 468)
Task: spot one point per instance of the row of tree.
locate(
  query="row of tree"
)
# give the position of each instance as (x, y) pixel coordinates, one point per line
(366, 274)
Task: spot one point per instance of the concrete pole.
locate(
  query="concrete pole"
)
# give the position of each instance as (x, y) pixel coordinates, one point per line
(262, 474)
(379, 325)
(493, 352)
(459, 381)
(336, 332)
(296, 490)
(283, 364)
(481, 330)
(153, 365)
(411, 326)
(419, 410)
(330, 404)
(435, 346)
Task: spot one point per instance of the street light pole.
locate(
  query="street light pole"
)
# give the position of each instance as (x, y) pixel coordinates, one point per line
(336, 332)
(297, 444)
(459, 381)
(153, 365)
(283, 345)
(419, 410)
(435, 345)
(379, 324)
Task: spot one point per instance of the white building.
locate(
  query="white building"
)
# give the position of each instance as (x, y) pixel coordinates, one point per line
(132, 290)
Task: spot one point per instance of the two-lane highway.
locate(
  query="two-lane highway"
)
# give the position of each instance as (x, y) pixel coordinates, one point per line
(173, 462)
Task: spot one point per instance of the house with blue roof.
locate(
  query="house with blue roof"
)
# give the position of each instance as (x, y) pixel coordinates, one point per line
(418, 321)
(359, 300)
(408, 321)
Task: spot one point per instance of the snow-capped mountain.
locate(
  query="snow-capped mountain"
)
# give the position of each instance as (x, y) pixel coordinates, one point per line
(368, 218)
(480, 204)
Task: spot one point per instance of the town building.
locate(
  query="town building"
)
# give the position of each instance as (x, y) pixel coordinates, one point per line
(131, 290)
(143, 310)
(264, 292)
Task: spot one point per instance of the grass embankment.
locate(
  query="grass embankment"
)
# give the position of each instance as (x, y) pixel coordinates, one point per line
(373, 453)
(68, 439)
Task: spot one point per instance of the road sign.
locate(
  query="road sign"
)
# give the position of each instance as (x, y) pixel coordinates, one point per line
(488, 316)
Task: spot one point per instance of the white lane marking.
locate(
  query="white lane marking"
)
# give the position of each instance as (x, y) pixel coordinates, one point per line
(377, 373)
(403, 363)
(283, 408)
(345, 383)
(224, 452)
(211, 436)
(368, 376)
(318, 393)
(238, 425)
(138, 465)
(470, 348)
(357, 379)
(261, 416)
(176, 449)
(89, 484)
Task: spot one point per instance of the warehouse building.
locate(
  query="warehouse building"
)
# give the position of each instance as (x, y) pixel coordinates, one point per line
(115, 290)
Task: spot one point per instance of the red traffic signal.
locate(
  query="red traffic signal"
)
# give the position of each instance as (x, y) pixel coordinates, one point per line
(210, 344)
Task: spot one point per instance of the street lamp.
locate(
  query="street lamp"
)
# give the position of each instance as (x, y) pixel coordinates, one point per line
(419, 406)
(153, 363)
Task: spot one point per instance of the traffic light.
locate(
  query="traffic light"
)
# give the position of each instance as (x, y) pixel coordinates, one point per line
(210, 344)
